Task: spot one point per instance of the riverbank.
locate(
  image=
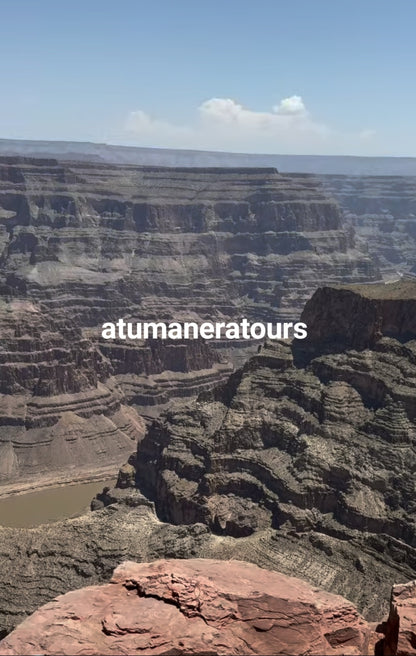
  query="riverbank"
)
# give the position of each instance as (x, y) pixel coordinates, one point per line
(71, 476)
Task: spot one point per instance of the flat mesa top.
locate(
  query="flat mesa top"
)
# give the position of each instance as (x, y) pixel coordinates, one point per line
(399, 290)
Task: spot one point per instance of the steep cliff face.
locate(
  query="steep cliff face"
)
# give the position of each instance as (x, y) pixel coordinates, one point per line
(325, 440)
(60, 407)
(302, 462)
(356, 318)
(105, 241)
(81, 244)
(382, 210)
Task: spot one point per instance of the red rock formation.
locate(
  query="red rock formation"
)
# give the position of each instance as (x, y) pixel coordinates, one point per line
(193, 607)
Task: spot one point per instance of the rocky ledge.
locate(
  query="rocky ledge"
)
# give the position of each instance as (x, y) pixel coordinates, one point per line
(194, 607)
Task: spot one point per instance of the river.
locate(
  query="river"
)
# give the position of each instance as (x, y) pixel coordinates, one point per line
(49, 505)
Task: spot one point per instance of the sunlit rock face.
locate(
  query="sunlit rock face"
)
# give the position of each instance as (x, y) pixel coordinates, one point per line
(194, 607)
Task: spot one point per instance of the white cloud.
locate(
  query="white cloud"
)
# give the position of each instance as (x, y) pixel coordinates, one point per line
(292, 105)
(224, 124)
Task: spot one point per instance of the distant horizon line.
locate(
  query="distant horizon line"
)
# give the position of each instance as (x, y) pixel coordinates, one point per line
(201, 150)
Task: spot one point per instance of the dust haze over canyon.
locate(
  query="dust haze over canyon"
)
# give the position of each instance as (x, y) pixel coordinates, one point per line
(297, 457)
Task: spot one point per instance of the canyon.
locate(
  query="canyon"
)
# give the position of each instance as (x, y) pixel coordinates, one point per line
(84, 243)
(301, 463)
(296, 457)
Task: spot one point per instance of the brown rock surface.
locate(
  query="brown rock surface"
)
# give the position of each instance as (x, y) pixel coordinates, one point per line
(193, 607)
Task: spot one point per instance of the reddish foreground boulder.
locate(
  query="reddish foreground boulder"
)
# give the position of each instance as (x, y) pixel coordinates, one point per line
(193, 607)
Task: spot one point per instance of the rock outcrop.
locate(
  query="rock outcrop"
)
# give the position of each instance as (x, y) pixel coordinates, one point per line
(194, 607)
(81, 244)
(318, 435)
(206, 606)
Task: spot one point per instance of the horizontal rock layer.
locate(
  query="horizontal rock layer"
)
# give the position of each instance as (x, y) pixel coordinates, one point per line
(382, 211)
(108, 240)
(81, 244)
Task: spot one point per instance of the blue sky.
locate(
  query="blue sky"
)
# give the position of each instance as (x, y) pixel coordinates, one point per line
(323, 77)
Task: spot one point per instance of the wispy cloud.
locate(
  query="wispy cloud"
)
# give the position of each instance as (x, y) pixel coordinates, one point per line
(225, 124)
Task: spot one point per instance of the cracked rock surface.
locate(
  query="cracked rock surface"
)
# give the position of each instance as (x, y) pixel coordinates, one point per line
(193, 607)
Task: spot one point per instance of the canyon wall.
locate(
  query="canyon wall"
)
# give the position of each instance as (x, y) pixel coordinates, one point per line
(382, 211)
(82, 243)
(302, 462)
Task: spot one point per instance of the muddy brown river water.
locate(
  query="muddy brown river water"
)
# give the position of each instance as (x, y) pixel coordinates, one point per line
(49, 505)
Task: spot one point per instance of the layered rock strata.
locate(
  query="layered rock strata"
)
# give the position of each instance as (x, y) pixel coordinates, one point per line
(301, 463)
(382, 211)
(60, 408)
(82, 244)
(320, 434)
(107, 240)
(68, 410)
(194, 607)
